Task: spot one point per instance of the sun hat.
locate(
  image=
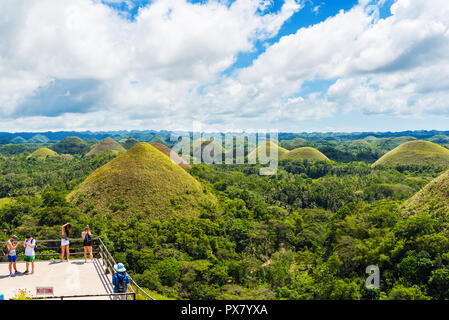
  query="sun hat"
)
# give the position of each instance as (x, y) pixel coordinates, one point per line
(119, 267)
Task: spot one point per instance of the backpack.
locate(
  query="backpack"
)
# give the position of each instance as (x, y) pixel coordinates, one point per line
(35, 243)
(5, 250)
(87, 240)
(121, 286)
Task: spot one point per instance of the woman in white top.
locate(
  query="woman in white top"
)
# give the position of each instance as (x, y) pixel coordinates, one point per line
(65, 234)
(87, 243)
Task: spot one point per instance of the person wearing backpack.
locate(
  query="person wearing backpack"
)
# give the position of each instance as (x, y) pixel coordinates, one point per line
(30, 247)
(12, 256)
(120, 281)
(87, 243)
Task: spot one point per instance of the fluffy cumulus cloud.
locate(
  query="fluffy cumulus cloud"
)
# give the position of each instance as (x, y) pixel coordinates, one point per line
(84, 65)
(396, 66)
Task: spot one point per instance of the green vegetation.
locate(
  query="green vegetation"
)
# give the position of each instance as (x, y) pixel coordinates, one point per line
(5, 201)
(417, 153)
(224, 232)
(142, 181)
(106, 145)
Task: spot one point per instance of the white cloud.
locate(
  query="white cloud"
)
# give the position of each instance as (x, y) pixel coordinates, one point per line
(163, 70)
(148, 65)
(397, 66)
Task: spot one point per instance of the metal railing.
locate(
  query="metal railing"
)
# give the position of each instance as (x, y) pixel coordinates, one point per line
(118, 296)
(99, 249)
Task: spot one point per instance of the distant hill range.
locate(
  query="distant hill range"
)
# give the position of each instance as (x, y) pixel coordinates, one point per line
(148, 135)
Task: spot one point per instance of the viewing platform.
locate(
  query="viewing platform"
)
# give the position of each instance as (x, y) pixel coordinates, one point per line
(66, 280)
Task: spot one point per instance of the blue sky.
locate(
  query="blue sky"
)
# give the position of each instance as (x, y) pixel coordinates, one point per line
(293, 65)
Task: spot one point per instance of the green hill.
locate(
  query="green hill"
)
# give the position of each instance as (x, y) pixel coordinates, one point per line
(282, 152)
(440, 139)
(38, 139)
(173, 156)
(416, 153)
(42, 153)
(18, 140)
(361, 144)
(129, 143)
(107, 144)
(293, 144)
(71, 145)
(433, 199)
(142, 180)
(306, 153)
(389, 144)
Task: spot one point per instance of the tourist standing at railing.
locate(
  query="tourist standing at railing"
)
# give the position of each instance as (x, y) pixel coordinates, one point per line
(120, 281)
(87, 243)
(12, 255)
(29, 257)
(66, 230)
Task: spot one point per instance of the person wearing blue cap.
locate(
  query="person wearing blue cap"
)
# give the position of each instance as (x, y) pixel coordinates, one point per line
(120, 281)
(12, 256)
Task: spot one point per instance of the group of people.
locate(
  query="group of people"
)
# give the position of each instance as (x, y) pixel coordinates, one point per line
(30, 246)
(66, 231)
(11, 247)
(120, 280)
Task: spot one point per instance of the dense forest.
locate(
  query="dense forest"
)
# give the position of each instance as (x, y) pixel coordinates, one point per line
(308, 232)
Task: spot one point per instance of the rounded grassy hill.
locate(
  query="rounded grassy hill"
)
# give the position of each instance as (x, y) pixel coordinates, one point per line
(270, 145)
(433, 199)
(416, 153)
(142, 180)
(172, 155)
(306, 153)
(42, 153)
(105, 145)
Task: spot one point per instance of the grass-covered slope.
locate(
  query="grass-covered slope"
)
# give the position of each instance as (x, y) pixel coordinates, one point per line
(42, 153)
(306, 153)
(107, 144)
(433, 199)
(142, 180)
(172, 155)
(416, 153)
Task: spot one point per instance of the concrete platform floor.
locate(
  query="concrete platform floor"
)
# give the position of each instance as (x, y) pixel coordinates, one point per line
(67, 278)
